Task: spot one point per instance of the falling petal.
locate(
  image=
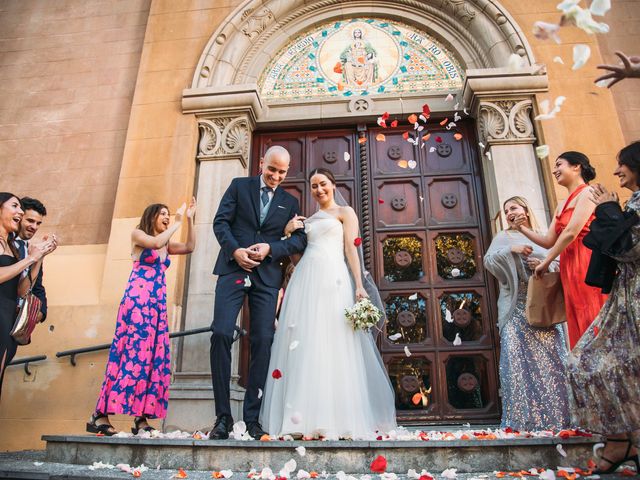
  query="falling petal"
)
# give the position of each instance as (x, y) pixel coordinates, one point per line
(394, 123)
(455, 272)
(600, 7)
(488, 154)
(380, 137)
(457, 341)
(382, 122)
(561, 450)
(547, 475)
(449, 98)
(407, 352)
(542, 151)
(413, 297)
(412, 164)
(395, 336)
(559, 101)
(403, 163)
(456, 117)
(381, 201)
(293, 345)
(426, 111)
(379, 464)
(450, 473)
(444, 122)
(455, 107)
(581, 54)
(416, 399)
(545, 31)
(302, 451)
(457, 136)
(451, 125)
(426, 137)
(239, 281)
(296, 418)
(347, 156)
(302, 474)
(362, 140)
(420, 128)
(432, 149)
(602, 83)
(276, 374)
(357, 241)
(481, 145)
(447, 316)
(259, 393)
(247, 281)
(413, 118)
(423, 118)
(558, 60)
(405, 135)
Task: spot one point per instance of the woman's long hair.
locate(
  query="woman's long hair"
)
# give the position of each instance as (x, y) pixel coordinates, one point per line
(524, 203)
(149, 217)
(4, 198)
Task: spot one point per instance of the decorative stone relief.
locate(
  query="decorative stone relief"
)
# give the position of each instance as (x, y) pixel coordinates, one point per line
(256, 24)
(506, 120)
(221, 137)
(360, 105)
(460, 9)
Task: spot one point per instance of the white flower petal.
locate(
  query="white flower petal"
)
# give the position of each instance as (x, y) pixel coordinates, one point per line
(602, 83)
(488, 154)
(247, 281)
(226, 473)
(516, 62)
(457, 341)
(407, 352)
(545, 31)
(600, 7)
(456, 117)
(581, 54)
(293, 345)
(347, 156)
(395, 336)
(291, 465)
(561, 450)
(412, 164)
(447, 316)
(455, 106)
(558, 60)
(542, 151)
(450, 473)
(449, 98)
(412, 474)
(296, 418)
(303, 474)
(432, 149)
(260, 393)
(302, 451)
(548, 475)
(413, 296)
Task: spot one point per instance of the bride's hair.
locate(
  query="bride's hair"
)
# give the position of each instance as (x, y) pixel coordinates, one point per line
(323, 171)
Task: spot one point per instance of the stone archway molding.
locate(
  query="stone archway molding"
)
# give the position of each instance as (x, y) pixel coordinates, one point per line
(481, 32)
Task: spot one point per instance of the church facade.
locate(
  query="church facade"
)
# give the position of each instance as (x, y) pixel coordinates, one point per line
(424, 110)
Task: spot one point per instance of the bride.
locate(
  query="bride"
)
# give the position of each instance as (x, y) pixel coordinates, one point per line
(326, 380)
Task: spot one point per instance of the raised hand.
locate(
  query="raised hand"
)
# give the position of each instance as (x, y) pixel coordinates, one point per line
(519, 221)
(242, 257)
(524, 250)
(191, 211)
(600, 194)
(180, 212)
(630, 68)
(37, 251)
(296, 223)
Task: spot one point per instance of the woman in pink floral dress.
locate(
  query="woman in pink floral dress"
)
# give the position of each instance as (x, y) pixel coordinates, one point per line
(138, 371)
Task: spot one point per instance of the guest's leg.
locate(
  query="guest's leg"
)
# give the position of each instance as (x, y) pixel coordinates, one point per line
(229, 298)
(262, 304)
(8, 348)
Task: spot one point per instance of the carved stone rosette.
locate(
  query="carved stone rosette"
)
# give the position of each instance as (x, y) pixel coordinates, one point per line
(505, 121)
(224, 137)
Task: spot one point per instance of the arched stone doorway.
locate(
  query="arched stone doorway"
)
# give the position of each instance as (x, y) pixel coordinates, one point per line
(229, 103)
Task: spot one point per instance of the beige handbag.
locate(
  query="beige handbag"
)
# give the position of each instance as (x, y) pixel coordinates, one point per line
(545, 301)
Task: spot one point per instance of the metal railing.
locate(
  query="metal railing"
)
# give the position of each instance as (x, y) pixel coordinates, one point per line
(26, 361)
(239, 332)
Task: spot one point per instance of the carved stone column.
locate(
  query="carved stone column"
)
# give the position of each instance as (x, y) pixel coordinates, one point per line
(502, 103)
(226, 120)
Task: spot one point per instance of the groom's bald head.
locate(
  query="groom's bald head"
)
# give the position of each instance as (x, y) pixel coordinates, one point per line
(275, 165)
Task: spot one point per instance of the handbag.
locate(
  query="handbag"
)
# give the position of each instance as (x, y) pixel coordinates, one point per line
(545, 301)
(27, 317)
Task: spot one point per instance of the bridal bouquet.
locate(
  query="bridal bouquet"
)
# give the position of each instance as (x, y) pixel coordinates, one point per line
(363, 315)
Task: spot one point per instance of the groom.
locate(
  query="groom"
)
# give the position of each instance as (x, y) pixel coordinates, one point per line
(249, 225)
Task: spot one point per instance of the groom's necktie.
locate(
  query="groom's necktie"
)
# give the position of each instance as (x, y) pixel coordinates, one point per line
(265, 202)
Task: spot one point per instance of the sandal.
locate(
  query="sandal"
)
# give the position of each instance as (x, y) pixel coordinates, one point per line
(136, 426)
(105, 429)
(614, 465)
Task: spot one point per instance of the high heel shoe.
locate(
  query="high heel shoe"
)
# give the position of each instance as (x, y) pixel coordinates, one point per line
(105, 429)
(136, 426)
(627, 457)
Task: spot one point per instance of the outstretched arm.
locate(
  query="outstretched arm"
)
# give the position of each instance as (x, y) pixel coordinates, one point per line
(180, 248)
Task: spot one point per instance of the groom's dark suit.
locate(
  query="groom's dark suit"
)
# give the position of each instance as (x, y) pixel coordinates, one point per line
(237, 225)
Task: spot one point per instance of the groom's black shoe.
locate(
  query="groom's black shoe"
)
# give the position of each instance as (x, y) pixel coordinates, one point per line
(221, 429)
(255, 430)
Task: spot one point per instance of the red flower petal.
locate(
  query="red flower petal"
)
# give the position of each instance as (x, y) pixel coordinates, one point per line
(439, 139)
(379, 464)
(238, 282)
(426, 111)
(362, 140)
(357, 241)
(381, 201)
(276, 374)
(394, 123)
(426, 477)
(413, 118)
(405, 135)
(444, 122)
(596, 330)
(385, 115)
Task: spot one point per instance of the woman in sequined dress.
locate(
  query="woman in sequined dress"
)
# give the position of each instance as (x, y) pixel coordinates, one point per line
(532, 360)
(604, 367)
(564, 238)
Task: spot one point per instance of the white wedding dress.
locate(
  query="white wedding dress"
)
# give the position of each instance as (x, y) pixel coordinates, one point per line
(333, 381)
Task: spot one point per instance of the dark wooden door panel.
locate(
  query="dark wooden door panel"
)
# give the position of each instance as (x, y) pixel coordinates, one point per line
(450, 201)
(446, 156)
(392, 156)
(328, 149)
(410, 315)
(456, 257)
(399, 203)
(463, 318)
(294, 143)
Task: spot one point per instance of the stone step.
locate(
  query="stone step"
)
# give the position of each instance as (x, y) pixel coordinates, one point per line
(353, 457)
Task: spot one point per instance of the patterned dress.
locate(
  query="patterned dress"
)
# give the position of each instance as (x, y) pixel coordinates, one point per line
(138, 371)
(604, 367)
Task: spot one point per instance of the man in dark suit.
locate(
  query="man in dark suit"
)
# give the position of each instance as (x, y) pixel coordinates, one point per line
(249, 226)
(34, 213)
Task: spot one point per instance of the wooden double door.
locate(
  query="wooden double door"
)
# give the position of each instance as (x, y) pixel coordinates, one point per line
(424, 233)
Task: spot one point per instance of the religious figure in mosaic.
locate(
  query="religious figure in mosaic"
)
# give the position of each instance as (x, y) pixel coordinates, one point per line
(359, 62)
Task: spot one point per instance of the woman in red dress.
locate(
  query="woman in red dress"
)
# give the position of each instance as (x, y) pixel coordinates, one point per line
(564, 237)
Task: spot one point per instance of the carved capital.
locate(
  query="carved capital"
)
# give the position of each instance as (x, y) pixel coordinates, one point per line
(256, 22)
(224, 137)
(505, 121)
